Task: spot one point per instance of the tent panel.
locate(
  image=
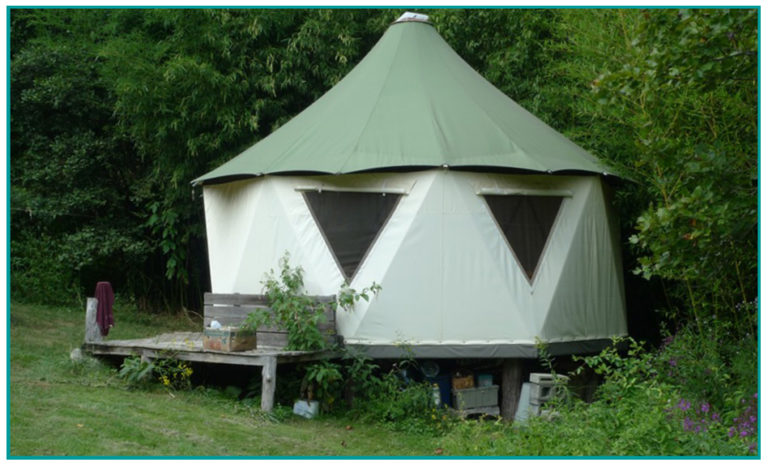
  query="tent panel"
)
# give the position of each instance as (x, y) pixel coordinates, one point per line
(574, 190)
(449, 268)
(386, 246)
(588, 301)
(409, 304)
(230, 211)
(481, 280)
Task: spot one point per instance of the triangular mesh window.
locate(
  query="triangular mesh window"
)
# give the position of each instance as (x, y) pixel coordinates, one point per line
(526, 222)
(350, 222)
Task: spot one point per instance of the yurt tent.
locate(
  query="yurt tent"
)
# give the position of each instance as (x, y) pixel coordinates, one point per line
(487, 230)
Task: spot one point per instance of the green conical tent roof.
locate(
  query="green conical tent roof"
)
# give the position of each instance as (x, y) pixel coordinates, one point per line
(411, 102)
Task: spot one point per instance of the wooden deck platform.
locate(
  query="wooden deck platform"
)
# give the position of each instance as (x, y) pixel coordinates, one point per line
(188, 346)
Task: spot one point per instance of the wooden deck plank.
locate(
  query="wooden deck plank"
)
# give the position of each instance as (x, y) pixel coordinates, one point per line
(188, 346)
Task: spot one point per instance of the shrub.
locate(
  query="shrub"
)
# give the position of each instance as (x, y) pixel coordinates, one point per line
(38, 274)
(322, 382)
(637, 412)
(300, 315)
(171, 373)
(718, 368)
(291, 309)
(398, 403)
(136, 372)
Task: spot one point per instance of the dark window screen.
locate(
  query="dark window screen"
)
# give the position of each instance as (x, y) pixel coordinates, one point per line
(525, 222)
(350, 222)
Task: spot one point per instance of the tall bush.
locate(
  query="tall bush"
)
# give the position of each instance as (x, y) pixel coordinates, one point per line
(673, 106)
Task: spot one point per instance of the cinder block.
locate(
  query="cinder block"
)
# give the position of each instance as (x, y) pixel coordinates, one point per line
(543, 387)
(540, 393)
(546, 378)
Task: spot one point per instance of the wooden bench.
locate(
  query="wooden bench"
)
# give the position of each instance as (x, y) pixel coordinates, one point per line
(232, 310)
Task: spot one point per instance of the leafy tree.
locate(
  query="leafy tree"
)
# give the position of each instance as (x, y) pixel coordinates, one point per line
(674, 102)
(134, 104)
(193, 88)
(512, 48)
(69, 174)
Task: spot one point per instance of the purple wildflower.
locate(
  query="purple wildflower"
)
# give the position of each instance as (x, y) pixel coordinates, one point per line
(687, 424)
(683, 405)
(672, 362)
(705, 407)
(715, 417)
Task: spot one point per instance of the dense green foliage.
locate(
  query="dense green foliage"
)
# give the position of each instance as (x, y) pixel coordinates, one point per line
(114, 112)
(683, 93)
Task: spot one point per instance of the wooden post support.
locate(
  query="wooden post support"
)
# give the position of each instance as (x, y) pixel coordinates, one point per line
(511, 384)
(268, 383)
(92, 331)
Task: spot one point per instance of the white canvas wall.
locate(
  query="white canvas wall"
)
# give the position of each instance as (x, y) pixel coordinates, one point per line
(448, 276)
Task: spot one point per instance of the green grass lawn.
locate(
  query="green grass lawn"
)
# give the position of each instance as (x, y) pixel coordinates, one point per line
(62, 408)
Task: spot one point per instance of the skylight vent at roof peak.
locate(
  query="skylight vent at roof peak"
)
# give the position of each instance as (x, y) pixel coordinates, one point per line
(409, 16)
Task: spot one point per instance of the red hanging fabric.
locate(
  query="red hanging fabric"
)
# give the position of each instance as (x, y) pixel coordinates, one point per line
(106, 299)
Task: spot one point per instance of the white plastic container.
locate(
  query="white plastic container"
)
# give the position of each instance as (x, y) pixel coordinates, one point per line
(306, 409)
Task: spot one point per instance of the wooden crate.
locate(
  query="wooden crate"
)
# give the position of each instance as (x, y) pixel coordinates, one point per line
(471, 398)
(460, 381)
(228, 339)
